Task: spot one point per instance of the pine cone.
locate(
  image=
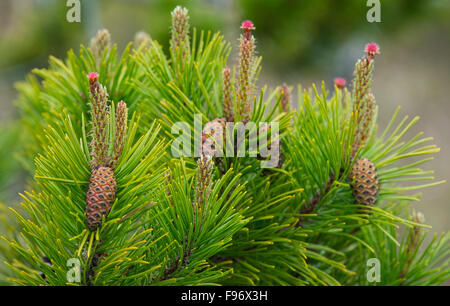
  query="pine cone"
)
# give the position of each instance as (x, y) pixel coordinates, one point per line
(365, 187)
(213, 135)
(100, 196)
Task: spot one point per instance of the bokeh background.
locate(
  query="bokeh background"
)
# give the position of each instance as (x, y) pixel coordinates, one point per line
(301, 41)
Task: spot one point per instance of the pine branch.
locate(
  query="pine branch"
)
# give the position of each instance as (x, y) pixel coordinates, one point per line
(221, 220)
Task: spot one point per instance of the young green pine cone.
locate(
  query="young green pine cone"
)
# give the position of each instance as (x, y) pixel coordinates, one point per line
(365, 187)
(100, 196)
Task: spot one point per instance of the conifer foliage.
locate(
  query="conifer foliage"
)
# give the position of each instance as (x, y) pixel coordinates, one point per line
(110, 198)
(102, 184)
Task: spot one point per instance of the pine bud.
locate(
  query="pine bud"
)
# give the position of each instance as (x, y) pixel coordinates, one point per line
(362, 80)
(247, 27)
(340, 82)
(100, 196)
(246, 61)
(205, 167)
(364, 120)
(99, 120)
(180, 29)
(121, 131)
(414, 233)
(228, 105)
(141, 38)
(99, 43)
(372, 49)
(340, 85)
(363, 100)
(363, 74)
(93, 82)
(365, 186)
(285, 98)
(213, 137)
(412, 243)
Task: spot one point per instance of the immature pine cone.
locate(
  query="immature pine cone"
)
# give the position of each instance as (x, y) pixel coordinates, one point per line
(100, 196)
(365, 188)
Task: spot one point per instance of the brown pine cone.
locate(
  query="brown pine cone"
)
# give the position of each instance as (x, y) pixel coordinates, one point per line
(365, 187)
(213, 135)
(100, 196)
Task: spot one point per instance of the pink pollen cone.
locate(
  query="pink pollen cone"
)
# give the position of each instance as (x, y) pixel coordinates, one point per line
(247, 25)
(340, 82)
(93, 76)
(372, 49)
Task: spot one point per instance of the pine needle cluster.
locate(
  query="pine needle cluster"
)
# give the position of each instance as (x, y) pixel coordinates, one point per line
(212, 220)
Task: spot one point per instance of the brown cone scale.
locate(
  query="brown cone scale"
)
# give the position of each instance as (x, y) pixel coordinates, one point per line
(213, 135)
(100, 196)
(365, 186)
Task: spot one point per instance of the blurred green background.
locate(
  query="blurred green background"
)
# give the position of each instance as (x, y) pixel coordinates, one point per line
(301, 41)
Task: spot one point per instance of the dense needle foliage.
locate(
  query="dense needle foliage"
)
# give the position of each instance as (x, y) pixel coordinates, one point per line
(220, 220)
